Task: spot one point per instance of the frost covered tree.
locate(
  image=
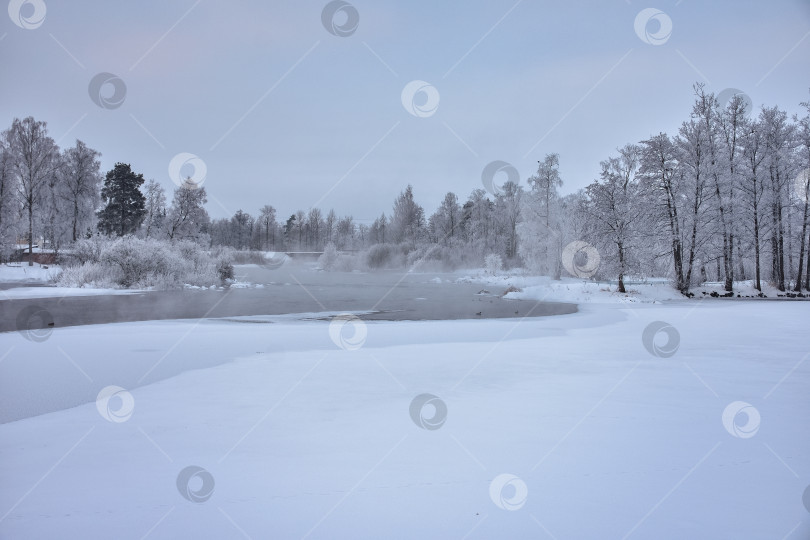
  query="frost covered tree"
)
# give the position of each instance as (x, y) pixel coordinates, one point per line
(241, 229)
(695, 166)
(299, 226)
(752, 191)
(779, 139)
(377, 230)
(705, 111)
(508, 213)
(314, 228)
(733, 127)
(345, 233)
(329, 226)
(613, 204)
(155, 206)
(478, 222)
(363, 234)
(53, 216)
(662, 187)
(803, 193)
(34, 160)
(408, 219)
(187, 218)
(540, 230)
(445, 221)
(9, 203)
(267, 222)
(81, 182)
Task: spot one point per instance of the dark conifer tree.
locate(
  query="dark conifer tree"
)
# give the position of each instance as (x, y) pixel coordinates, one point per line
(124, 204)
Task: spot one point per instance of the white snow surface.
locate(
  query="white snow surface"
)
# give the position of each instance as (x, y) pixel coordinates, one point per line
(59, 292)
(305, 439)
(41, 276)
(22, 273)
(567, 289)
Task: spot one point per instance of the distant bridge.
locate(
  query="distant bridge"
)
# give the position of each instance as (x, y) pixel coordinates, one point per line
(312, 255)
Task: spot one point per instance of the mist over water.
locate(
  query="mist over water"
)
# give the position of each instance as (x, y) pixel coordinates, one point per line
(298, 287)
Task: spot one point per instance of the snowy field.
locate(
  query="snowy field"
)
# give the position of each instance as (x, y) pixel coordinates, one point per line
(22, 273)
(310, 429)
(22, 281)
(652, 290)
(58, 292)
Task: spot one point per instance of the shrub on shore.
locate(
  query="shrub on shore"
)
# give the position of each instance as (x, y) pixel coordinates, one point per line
(131, 262)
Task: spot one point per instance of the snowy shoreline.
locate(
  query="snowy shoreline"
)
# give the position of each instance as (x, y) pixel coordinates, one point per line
(653, 290)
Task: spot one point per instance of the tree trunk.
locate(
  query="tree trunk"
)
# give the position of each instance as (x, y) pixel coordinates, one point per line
(789, 277)
(688, 281)
(775, 247)
(741, 258)
(781, 245)
(774, 258)
(807, 272)
(75, 219)
(730, 263)
(755, 211)
(31, 233)
(798, 286)
(727, 268)
(621, 268)
(677, 247)
(558, 258)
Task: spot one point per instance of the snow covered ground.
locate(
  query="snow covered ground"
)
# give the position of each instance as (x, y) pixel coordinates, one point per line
(313, 429)
(58, 292)
(653, 290)
(22, 273)
(40, 278)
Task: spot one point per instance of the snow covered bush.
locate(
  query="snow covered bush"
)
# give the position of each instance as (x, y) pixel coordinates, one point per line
(437, 258)
(138, 262)
(328, 261)
(133, 262)
(493, 263)
(426, 258)
(90, 274)
(87, 249)
(381, 256)
(224, 261)
(198, 267)
(224, 270)
(333, 261)
(7, 247)
(349, 262)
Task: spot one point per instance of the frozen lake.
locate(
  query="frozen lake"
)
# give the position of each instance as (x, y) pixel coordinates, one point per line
(543, 427)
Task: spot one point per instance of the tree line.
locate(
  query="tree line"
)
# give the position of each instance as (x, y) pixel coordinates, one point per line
(59, 196)
(726, 198)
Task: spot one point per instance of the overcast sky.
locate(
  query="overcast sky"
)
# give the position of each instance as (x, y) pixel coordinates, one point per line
(282, 111)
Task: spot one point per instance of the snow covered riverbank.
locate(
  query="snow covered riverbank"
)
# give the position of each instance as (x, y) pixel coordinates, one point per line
(302, 432)
(653, 290)
(22, 273)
